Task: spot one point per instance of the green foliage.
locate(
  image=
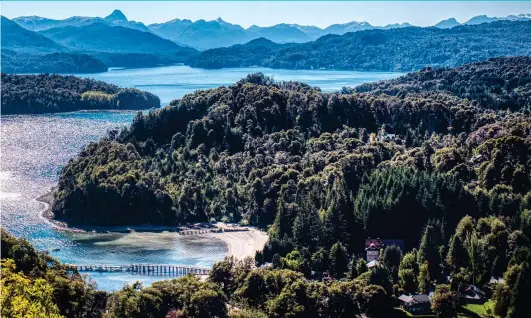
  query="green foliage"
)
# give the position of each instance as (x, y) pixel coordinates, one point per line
(319, 171)
(338, 260)
(289, 155)
(429, 250)
(44, 93)
(390, 259)
(408, 272)
(424, 281)
(401, 49)
(374, 301)
(187, 295)
(444, 302)
(58, 62)
(23, 297)
(36, 285)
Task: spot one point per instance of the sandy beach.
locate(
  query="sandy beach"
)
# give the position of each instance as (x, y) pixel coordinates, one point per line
(242, 244)
(241, 241)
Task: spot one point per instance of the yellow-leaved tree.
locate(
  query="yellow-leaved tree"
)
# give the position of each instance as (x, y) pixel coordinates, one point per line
(22, 297)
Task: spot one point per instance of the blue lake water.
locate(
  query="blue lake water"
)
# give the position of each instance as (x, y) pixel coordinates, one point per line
(173, 82)
(35, 147)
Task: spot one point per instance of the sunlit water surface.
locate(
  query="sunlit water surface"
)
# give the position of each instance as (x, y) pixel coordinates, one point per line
(35, 147)
(171, 82)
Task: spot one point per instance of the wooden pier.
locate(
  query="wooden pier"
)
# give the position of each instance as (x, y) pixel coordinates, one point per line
(144, 269)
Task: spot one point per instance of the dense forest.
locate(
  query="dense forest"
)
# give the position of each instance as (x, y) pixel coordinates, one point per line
(59, 62)
(438, 158)
(402, 49)
(35, 285)
(36, 94)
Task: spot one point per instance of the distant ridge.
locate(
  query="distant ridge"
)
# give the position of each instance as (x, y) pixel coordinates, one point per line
(397, 49)
(103, 37)
(25, 51)
(204, 35)
(116, 18)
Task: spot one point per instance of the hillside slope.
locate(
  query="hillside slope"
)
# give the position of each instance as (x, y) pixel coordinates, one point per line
(104, 38)
(402, 49)
(271, 153)
(25, 51)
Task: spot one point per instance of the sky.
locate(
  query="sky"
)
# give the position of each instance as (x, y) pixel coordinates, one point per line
(265, 13)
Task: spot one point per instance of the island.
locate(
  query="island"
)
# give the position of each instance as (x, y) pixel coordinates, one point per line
(51, 93)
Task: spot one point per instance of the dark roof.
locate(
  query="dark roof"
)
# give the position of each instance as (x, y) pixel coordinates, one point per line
(421, 298)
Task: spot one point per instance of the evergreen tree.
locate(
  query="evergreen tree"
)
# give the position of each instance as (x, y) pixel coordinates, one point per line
(338, 260)
(352, 271)
(390, 259)
(307, 229)
(320, 260)
(429, 250)
(361, 266)
(337, 217)
(471, 245)
(424, 278)
(407, 273)
(520, 294)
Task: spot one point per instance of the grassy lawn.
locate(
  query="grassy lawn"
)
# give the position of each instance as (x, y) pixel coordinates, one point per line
(399, 312)
(476, 310)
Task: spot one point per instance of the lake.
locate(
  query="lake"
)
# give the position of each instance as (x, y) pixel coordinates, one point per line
(35, 147)
(171, 82)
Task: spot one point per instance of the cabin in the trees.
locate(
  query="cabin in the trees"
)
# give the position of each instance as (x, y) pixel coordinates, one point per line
(415, 304)
(472, 294)
(373, 252)
(373, 247)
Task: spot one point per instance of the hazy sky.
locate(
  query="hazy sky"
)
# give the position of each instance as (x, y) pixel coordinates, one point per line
(269, 13)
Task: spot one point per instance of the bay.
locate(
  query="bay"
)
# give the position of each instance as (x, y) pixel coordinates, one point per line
(34, 148)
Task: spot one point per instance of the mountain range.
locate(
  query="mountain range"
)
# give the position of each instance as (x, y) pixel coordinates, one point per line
(398, 49)
(85, 48)
(203, 35)
(116, 18)
(91, 44)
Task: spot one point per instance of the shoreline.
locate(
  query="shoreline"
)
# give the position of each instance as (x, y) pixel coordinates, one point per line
(241, 241)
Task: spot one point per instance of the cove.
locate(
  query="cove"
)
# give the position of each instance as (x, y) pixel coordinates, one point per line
(36, 147)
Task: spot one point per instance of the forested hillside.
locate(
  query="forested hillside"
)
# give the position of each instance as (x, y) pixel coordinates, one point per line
(259, 149)
(400, 49)
(24, 51)
(59, 62)
(36, 94)
(443, 167)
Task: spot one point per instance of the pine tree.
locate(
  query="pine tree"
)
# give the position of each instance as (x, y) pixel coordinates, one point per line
(407, 273)
(352, 268)
(429, 250)
(471, 245)
(282, 224)
(361, 266)
(424, 278)
(520, 294)
(307, 229)
(339, 218)
(338, 260)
